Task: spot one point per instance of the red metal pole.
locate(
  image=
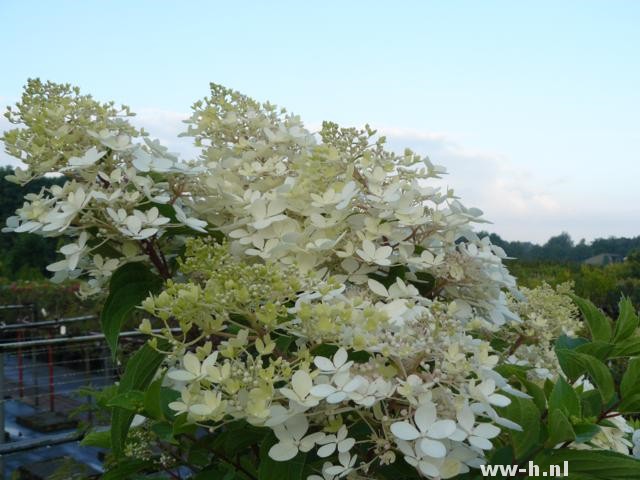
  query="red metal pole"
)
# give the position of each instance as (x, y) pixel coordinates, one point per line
(20, 373)
(51, 386)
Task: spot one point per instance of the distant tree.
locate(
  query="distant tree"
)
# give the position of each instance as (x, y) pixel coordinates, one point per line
(23, 256)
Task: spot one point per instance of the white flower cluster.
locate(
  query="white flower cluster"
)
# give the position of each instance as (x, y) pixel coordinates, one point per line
(545, 314)
(331, 242)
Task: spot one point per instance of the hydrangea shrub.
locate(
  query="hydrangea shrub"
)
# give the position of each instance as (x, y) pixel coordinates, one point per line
(318, 306)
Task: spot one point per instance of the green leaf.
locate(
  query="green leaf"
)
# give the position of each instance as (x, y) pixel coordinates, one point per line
(560, 429)
(238, 436)
(181, 425)
(600, 350)
(131, 400)
(153, 402)
(601, 375)
(138, 374)
(575, 364)
(591, 464)
(564, 398)
(129, 286)
(630, 382)
(220, 471)
(570, 363)
(627, 321)
(585, 432)
(591, 402)
(626, 348)
(168, 395)
(525, 413)
(164, 431)
(569, 343)
(98, 438)
(597, 321)
(537, 394)
(510, 370)
(125, 467)
(630, 404)
(269, 469)
(395, 471)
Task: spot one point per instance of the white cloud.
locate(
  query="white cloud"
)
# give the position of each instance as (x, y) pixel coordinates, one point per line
(524, 203)
(521, 204)
(166, 125)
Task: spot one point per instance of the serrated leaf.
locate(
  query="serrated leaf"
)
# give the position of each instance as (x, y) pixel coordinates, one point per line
(600, 350)
(626, 348)
(564, 398)
(570, 364)
(597, 321)
(560, 429)
(537, 394)
(596, 464)
(525, 413)
(569, 343)
(601, 375)
(138, 374)
(631, 404)
(630, 382)
(585, 432)
(591, 403)
(575, 364)
(129, 286)
(627, 321)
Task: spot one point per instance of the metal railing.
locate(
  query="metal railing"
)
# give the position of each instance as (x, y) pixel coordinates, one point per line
(51, 354)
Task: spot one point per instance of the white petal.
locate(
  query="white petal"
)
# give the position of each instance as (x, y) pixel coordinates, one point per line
(505, 422)
(428, 469)
(297, 426)
(281, 452)
(480, 442)
(323, 390)
(404, 431)
(200, 409)
(383, 252)
(442, 429)
(336, 397)
(486, 430)
(181, 375)
(377, 288)
(466, 418)
(324, 364)
(134, 224)
(499, 400)
(432, 448)
(326, 450)
(346, 444)
(458, 436)
(340, 357)
(301, 383)
(425, 415)
(191, 363)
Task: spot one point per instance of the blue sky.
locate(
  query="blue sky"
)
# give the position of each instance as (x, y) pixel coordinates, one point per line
(534, 107)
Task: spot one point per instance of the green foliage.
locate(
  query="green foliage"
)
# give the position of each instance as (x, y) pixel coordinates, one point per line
(23, 257)
(137, 376)
(129, 286)
(591, 465)
(565, 412)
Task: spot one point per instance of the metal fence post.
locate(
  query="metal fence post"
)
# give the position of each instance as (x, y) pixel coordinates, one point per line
(2, 400)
